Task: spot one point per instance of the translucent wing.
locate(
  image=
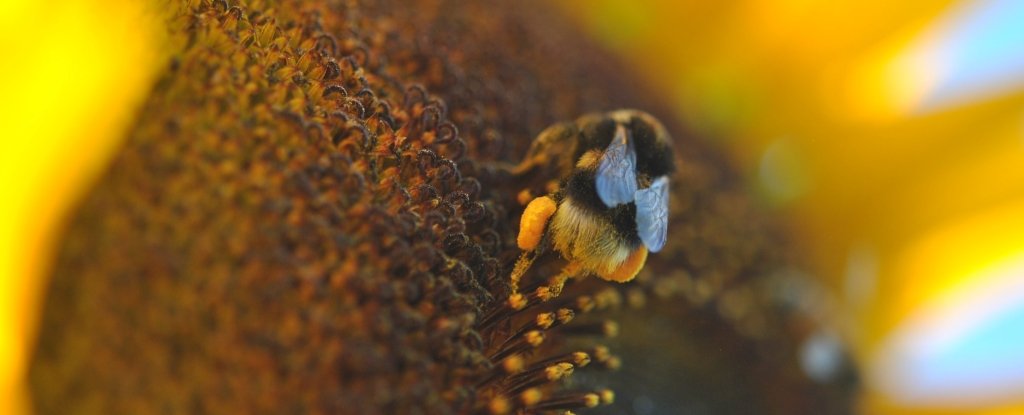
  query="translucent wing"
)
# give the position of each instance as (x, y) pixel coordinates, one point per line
(616, 173)
(652, 214)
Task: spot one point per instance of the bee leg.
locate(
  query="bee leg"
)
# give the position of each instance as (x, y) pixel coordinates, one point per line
(522, 265)
(553, 149)
(556, 283)
(532, 226)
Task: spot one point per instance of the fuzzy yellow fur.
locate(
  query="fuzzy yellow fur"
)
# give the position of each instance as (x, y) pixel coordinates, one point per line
(587, 239)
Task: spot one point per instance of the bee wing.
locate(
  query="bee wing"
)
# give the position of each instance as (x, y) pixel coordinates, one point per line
(616, 173)
(652, 214)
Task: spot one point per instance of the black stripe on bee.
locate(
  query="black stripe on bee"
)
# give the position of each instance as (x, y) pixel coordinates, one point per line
(654, 157)
(579, 187)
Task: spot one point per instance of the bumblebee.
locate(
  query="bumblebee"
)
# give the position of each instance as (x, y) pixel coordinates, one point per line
(609, 206)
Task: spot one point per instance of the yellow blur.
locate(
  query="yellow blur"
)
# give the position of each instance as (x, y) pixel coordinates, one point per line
(73, 73)
(820, 103)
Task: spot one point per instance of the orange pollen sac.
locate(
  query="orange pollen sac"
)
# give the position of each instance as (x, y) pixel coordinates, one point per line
(535, 218)
(630, 267)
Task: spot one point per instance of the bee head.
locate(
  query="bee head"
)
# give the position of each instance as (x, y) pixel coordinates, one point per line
(650, 141)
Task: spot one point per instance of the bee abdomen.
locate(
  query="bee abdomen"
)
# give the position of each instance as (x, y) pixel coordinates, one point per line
(581, 190)
(590, 239)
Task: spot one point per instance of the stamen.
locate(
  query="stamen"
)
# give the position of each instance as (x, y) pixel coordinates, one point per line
(570, 401)
(607, 328)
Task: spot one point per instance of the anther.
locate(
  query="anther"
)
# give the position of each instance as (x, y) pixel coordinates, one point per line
(519, 343)
(607, 328)
(532, 378)
(530, 397)
(577, 359)
(499, 405)
(570, 401)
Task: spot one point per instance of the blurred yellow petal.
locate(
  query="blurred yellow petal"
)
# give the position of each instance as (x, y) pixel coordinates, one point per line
(889, 133)
(73, 73)
(958, 315)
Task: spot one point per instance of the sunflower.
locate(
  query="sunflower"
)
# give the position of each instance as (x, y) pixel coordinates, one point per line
(305, 216)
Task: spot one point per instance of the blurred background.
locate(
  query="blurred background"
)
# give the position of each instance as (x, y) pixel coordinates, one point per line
(890, 135)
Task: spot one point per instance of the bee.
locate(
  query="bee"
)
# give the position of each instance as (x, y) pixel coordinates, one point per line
(609, 205)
